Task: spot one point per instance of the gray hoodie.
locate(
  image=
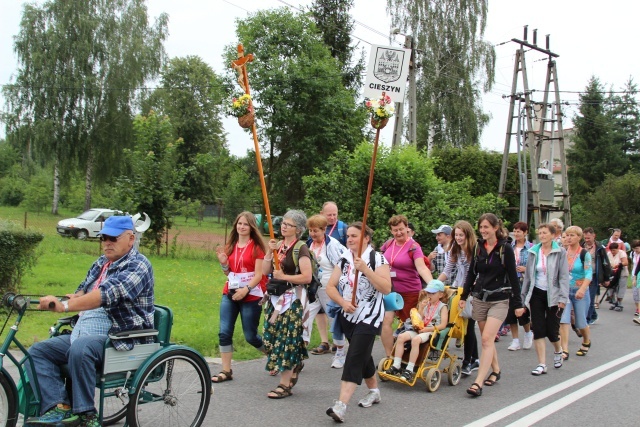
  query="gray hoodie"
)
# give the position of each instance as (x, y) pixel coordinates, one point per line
(558, 276)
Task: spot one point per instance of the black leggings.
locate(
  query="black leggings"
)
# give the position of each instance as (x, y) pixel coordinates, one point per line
(545, 320)
(470, 343)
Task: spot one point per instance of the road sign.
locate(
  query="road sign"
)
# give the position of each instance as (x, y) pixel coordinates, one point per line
(387, 72)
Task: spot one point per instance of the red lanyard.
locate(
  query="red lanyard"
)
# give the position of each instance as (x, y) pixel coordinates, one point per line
(319, 251)
(333, 228)
(239, 260)
(393, 252)
(573, 260)
(103, 274)
(282, 254)
(430, 314)
(543, 259)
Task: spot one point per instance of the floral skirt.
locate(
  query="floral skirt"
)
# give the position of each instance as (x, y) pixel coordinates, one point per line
(283, 339)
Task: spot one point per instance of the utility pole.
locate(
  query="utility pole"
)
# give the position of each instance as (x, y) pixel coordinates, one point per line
(397, 130)
(535, 138)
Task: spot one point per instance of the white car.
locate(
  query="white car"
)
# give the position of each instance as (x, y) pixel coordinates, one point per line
(88, 224)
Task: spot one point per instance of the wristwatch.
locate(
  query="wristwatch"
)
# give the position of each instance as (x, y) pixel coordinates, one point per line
(65, 304)
(250, 288)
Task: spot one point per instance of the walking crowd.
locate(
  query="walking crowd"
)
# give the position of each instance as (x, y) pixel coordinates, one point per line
(338, 278)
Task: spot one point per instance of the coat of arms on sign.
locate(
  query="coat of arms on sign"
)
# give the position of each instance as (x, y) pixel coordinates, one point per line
(388, 67)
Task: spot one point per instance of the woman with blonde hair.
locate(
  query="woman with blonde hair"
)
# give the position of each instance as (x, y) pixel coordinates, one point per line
(241, 260)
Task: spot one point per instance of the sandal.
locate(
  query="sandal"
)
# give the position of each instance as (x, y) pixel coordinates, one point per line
(475, 390)
(407, 375)
(222, 376)
(296, 371)
(285, 392)
(274, 372)
(323, 348)
(491, 382)
(565, 355)
(584, 349)
(596, 305)
(393, 371)
(557, 359)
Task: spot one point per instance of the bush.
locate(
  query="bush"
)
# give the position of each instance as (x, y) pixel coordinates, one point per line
(17, 254)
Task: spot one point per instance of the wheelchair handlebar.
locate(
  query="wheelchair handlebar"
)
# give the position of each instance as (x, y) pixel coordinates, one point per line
(20, 302)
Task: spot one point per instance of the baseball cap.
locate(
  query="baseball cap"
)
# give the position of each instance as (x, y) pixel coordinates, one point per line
(442, 229)
(116, 225)
(434, 286)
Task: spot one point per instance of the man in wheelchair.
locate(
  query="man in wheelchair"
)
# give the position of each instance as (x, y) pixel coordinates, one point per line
(117, 295)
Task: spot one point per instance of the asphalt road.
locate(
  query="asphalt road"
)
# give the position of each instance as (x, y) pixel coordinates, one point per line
(598, 389)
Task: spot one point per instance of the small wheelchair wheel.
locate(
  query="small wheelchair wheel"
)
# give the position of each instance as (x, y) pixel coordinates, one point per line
(454, 372)
(174, 390)
(433, 378)
(114, 405)
(383, 365)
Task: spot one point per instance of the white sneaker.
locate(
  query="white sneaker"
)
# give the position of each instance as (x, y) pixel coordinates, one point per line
(528, 340)
(539, 370)
(337, 411)
(515, 345)
(338, 361)
(369, 399)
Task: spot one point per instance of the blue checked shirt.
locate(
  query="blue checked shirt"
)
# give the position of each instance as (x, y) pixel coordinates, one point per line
(126, 297)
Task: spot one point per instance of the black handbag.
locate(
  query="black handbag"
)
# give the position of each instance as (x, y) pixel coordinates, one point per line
(278, 287)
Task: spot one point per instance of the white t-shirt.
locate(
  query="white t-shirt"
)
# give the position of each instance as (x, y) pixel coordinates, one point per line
(541, 271)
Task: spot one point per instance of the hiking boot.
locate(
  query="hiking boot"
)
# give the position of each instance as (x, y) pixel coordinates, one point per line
(369, 399)
(528, 340)
(54, 417)
(515, 345)
(337, 411)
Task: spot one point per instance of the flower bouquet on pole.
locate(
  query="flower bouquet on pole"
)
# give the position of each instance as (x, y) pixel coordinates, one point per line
(242, 108)
(381, 110)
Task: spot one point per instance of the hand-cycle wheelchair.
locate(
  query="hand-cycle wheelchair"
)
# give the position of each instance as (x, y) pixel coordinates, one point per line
(156, 384)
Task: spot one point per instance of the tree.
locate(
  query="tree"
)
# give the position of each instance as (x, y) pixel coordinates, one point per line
(79, 66)
(595, 152)
(404, 183)
(335, 24)
(454, 65)
(191, 95)
(154, 176)
(305, 114)
(625, 116)
(612, 204)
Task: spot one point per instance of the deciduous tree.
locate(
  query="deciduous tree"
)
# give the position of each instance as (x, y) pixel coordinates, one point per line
(80, 63)
(455, 66)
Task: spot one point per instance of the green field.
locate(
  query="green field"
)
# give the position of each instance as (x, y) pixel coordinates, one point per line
(191, 287)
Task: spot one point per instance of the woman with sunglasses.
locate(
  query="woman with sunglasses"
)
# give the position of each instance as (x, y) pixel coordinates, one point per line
(545, 290)
(492, 279)
(241, 260)
(283, 326)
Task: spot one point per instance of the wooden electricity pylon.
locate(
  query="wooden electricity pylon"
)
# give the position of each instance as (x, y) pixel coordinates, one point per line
(535, 138)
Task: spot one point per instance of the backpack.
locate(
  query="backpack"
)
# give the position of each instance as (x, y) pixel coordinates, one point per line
(312, 287)
(372, 261)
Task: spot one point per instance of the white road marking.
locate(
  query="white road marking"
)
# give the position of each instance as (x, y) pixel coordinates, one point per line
(532, 400)
(544, 412)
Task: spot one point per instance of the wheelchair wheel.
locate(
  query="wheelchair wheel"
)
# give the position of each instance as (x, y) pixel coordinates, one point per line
(8, 407)
(383, 365)
(432, 378)
(454, 372)
(174, 391)
(114, 405)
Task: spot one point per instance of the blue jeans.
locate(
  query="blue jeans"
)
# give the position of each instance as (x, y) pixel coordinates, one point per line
(593, 293)
(580, 308)
(83, 359)
(249, 312)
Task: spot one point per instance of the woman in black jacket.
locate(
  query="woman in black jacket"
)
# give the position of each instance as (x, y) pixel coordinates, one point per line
(492, 279)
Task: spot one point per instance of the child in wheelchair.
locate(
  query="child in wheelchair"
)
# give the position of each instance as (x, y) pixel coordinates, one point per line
(430, 314)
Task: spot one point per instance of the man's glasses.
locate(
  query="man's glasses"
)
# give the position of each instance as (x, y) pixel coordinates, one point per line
(286, 225)
(112, 239)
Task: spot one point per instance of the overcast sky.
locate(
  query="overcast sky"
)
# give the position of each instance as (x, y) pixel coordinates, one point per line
(591, 38)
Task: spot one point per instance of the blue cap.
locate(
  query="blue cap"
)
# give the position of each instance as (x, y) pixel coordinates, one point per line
(434, 286)
(116, 225)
